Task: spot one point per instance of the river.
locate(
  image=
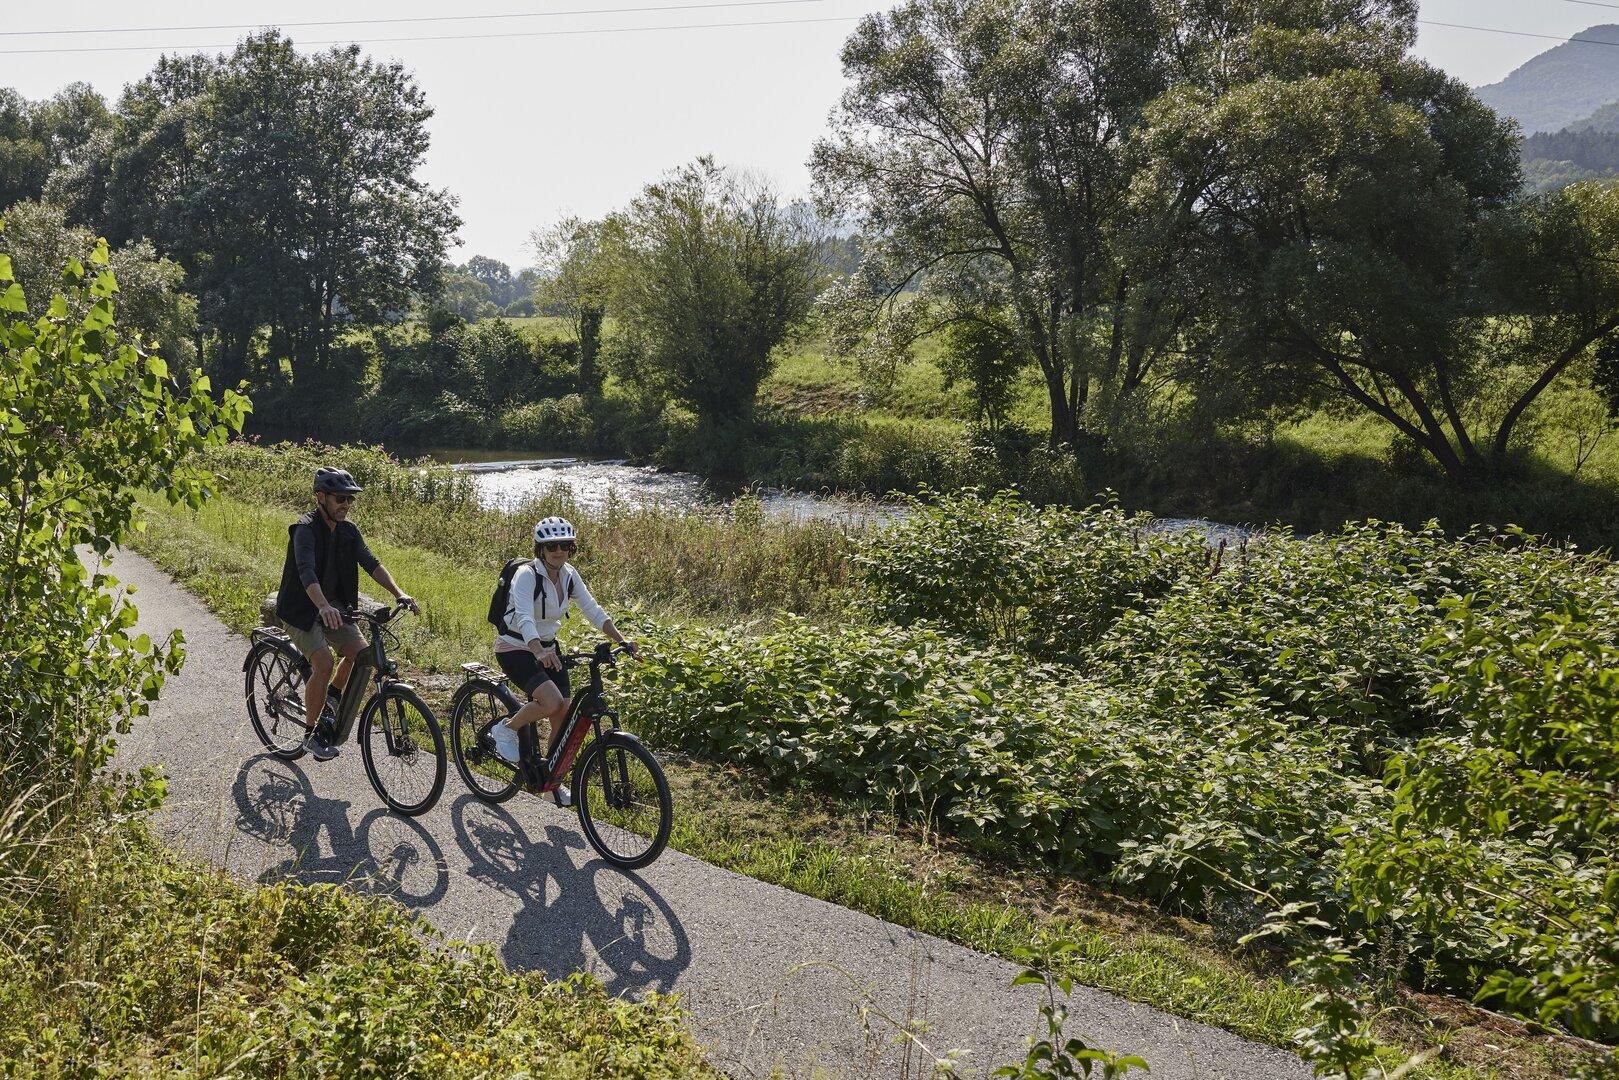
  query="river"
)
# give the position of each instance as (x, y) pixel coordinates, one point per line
(508, 480)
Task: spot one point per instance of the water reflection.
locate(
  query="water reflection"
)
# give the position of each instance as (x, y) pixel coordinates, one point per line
(507, 482)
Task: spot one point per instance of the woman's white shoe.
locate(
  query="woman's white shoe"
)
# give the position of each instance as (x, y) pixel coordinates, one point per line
(505, 743)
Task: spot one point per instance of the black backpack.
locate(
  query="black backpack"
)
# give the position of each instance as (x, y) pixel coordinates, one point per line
(503, 593)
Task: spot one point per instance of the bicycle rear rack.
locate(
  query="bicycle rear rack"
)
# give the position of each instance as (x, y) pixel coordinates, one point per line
(474, 670)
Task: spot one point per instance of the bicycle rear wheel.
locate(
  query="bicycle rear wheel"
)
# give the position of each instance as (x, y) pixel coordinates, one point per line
(624, 804)
(475, 711)
(403, 750)
(275, 700)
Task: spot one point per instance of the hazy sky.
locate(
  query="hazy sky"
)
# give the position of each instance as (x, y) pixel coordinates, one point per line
(531, 127)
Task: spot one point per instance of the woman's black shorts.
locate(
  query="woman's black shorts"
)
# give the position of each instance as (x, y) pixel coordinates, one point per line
(525, 669)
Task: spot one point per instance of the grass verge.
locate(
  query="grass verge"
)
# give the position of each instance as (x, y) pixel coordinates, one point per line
(125, 959)
(823, 847)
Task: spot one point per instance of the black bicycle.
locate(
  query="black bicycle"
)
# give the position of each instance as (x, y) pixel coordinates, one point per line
(625, 808)
(400, 739)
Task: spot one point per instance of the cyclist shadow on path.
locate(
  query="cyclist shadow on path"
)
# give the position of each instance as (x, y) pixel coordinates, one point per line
(384, 855)
(575, 915)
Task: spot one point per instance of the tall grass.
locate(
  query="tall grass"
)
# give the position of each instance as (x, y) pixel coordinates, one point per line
(734, 564)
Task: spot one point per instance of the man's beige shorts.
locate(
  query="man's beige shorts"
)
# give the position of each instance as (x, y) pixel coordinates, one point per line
(317, 637)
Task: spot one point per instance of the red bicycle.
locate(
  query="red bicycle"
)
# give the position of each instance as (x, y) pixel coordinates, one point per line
(622, 796)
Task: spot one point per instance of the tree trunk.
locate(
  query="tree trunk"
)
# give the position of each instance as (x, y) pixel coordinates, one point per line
(590, 327)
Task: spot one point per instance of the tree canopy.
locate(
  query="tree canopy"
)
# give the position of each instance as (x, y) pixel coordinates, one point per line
(708, 273)
(284, 183)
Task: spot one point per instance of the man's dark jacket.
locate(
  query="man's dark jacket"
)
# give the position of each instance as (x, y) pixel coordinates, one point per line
(338, 555)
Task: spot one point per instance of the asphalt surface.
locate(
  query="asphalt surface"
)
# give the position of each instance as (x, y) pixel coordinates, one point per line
(771, 979)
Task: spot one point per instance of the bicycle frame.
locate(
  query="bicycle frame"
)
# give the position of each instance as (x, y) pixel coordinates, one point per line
(585, 714)
(371, 663)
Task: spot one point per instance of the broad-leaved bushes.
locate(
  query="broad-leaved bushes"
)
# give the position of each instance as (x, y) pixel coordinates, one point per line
(1049, 581)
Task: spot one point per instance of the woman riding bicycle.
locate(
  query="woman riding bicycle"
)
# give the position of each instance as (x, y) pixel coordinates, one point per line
(526, 649)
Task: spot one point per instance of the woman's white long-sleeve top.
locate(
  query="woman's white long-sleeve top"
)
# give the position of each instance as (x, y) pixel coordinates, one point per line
(538, 615)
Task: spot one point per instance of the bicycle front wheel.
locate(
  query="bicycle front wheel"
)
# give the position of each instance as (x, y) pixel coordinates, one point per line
(624, 803)
(403, 750)
(275, 701)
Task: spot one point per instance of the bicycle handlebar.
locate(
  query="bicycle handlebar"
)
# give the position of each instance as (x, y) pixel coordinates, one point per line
(380, 617)
(604, 653)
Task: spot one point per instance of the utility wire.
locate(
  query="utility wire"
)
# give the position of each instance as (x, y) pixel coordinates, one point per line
(449, 37)
(1518, 33)
(401, 19)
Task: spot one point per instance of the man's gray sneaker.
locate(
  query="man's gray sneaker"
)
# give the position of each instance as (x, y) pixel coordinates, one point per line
(563, 796)
(315, 742)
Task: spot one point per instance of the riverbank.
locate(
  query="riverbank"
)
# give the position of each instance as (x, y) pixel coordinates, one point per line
(687, 699)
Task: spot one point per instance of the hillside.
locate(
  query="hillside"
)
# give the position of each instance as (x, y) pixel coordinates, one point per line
(1562, 85)
(1604, 120)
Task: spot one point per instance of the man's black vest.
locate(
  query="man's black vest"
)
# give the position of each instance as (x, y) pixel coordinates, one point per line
(335, 550)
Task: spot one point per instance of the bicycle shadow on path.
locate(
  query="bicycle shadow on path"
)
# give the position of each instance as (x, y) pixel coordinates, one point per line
(385, 854)
(545, 901)
(577, 912)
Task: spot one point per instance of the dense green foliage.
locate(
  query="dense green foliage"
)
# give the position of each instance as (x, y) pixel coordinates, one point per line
(1555, 160)
(121, 955)
(1230, 733)
(38, 137)
(708, 272)
(89, 419)
(1051, 582)
(198, 159)
(152, 302)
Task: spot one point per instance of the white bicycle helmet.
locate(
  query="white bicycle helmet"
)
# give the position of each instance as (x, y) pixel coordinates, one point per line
(552, 529)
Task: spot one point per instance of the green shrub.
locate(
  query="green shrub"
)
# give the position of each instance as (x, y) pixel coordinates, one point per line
(563, 423)
(1502, 847)
(1331, 630)
(88, 419)
(120, 954)
(1047, 581)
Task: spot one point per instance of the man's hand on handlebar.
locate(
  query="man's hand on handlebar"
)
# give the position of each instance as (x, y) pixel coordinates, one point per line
(405, 600)
(330, 617)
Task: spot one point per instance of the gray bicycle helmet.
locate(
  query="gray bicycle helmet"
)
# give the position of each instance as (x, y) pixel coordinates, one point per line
(335, 481)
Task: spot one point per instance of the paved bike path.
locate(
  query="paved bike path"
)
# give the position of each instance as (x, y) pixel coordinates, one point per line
(772, 979)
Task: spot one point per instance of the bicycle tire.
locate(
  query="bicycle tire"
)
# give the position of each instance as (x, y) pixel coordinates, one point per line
(466, 720)
(429, 724)
(592, 779)
(288, 744)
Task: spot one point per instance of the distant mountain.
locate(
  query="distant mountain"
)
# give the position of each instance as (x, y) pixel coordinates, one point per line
(1562, 85)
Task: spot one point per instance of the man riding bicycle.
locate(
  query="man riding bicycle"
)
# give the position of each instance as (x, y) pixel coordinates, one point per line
(324, 553)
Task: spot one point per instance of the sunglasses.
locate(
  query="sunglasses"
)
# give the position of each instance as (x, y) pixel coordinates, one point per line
(560, 545)
(345, 498)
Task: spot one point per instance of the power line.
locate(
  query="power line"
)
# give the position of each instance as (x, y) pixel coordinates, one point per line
(1518, 33)
(449, 37)
(1592, 3)
(401, 19)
